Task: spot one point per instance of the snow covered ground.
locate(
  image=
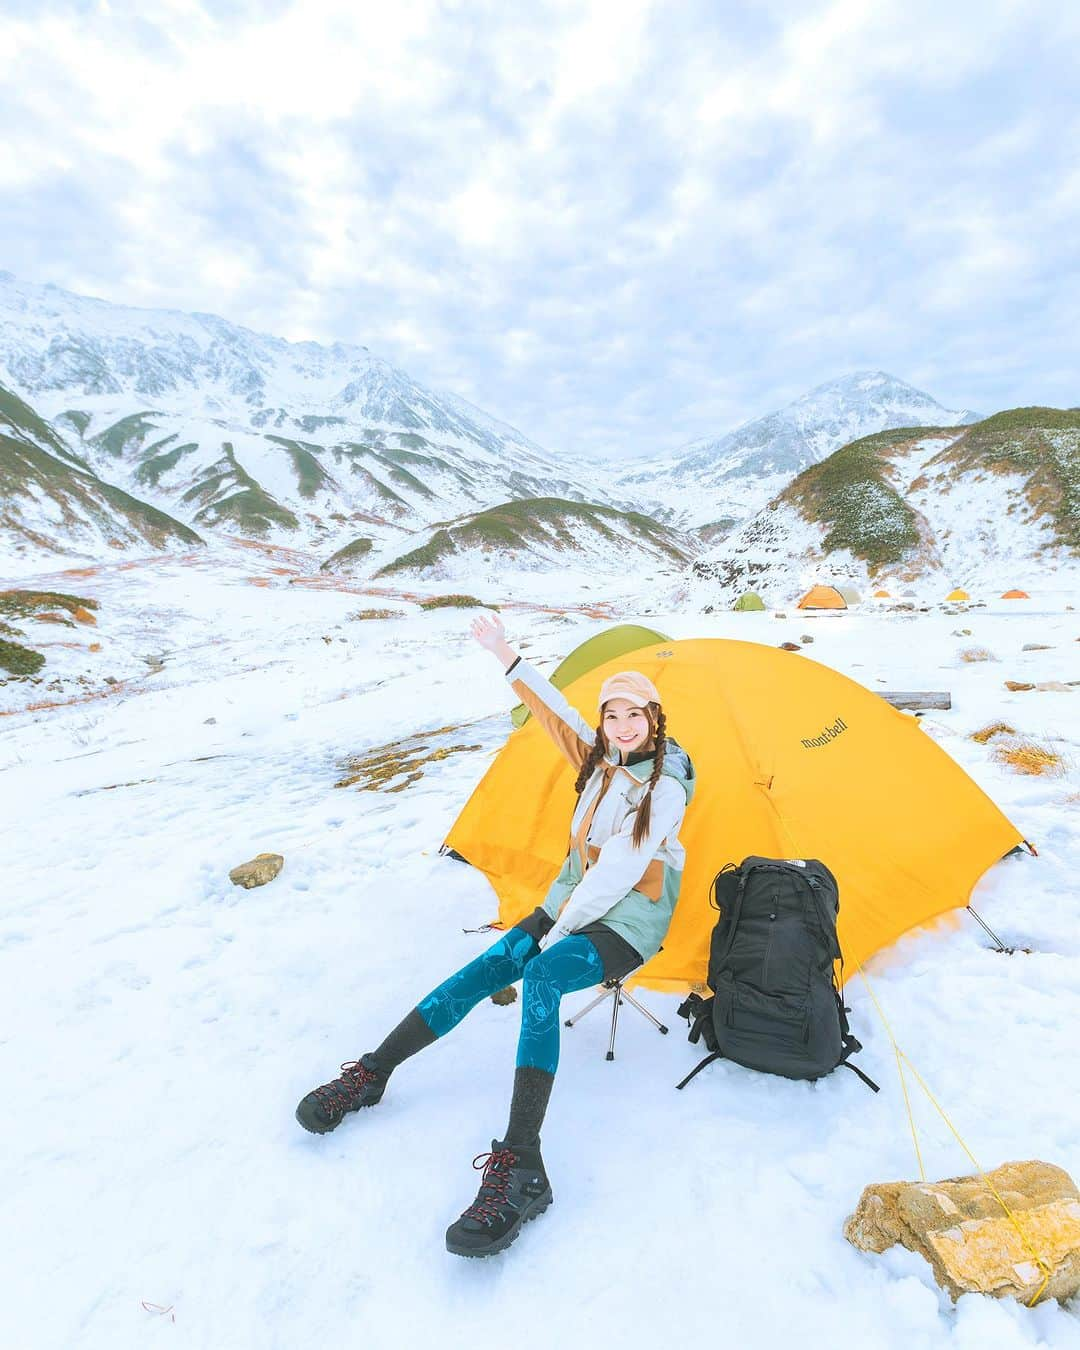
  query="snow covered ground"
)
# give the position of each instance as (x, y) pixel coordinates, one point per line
(159, 1025)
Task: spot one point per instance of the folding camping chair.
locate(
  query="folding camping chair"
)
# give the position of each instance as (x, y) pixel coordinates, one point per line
(614, 990)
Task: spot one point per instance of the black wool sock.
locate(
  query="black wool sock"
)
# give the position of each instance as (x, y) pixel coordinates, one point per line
(532, 1088)
(410, 1035)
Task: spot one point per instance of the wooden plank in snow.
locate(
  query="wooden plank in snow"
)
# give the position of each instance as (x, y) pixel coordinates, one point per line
(926, 698)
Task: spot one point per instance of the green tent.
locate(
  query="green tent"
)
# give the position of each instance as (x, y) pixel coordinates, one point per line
(606, 646)
(749, 600)
(850, 594)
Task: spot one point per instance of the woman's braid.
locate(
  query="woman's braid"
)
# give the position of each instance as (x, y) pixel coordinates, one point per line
(592, 759)
(643, 819)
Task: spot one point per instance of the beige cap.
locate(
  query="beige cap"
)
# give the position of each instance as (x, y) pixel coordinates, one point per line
(631, 685)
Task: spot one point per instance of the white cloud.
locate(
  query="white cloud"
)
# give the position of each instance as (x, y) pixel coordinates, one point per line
(609, 223)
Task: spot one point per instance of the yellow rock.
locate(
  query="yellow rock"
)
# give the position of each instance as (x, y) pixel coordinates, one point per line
(262, 868)
(83, 615)
(972, 1244)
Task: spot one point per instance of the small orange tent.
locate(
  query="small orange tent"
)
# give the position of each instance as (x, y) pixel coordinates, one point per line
(882, 595)
(822, 597)
(1015, 595)
(958, 594)
(792, 760)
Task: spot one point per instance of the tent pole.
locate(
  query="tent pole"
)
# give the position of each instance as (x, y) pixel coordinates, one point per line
(986, 928)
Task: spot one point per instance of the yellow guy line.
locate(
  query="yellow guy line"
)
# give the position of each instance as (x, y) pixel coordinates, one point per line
(900, 1057)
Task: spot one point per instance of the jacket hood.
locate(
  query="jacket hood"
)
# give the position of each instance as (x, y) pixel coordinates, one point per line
(677, 765)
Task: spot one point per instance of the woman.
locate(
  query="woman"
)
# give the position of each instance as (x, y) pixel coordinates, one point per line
(606, 913)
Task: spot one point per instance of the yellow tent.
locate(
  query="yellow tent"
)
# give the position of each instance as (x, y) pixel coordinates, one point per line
(958, 594)
(882, 595)
(1015, 595)
(822, 597)
(793, 760)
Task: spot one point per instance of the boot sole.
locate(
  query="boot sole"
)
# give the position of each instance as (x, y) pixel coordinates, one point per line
(533, 1212)
(326, 1129)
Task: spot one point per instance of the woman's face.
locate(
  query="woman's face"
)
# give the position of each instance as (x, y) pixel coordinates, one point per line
(625, 726)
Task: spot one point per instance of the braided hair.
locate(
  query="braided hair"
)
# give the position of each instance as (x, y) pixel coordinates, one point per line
(643, 818)
(592, 759)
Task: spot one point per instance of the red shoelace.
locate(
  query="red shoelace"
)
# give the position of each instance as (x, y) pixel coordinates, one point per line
(493, 1185)
(338, 1096)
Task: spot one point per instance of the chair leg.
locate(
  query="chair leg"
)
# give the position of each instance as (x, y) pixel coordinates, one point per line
(645, 1012)
(588, 1008)
(617, 991)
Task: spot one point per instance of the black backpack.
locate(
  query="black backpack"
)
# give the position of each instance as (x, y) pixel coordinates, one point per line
(775, 1005)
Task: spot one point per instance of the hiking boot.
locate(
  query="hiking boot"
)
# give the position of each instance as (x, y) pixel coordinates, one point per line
(514, 1190)
(362, 1083)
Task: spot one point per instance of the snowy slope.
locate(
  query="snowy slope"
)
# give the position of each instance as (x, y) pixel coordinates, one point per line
(539, 535)
(52, 504)
(736, 474)
(161, 1024)
(291, 443)
(977, 518)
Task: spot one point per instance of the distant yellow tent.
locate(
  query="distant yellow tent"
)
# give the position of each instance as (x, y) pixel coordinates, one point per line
(793, 760)
(605, 646)
(749, 600)
(958, 595)
(822, 597)
(1015, 595)
(882, 595)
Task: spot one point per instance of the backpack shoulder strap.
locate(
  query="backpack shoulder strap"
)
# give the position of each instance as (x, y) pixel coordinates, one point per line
(732, 920)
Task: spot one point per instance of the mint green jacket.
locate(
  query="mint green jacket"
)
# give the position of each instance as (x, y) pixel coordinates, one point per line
(632, 891)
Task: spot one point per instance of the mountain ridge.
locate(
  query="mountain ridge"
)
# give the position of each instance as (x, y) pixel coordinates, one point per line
(997, 498)
(735, 474)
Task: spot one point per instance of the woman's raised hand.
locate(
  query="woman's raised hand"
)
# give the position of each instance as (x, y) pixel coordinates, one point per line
(488, 630)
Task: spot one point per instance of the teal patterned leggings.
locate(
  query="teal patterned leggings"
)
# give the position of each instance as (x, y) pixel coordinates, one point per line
(573, 963)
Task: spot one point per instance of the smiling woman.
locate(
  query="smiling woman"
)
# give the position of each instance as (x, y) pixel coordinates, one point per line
(605, 913)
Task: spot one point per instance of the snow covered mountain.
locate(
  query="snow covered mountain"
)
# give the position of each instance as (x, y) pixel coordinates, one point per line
(291, 443)
(50, 498)
(721, 481)
(992, 506)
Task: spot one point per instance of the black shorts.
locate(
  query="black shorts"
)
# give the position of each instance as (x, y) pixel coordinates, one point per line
(616, 954)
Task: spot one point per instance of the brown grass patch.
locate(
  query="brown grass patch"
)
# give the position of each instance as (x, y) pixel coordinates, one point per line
(455, 602)
(378, 614)
(395, 767)
(1029, 757)
(993, 729)
(970, 654)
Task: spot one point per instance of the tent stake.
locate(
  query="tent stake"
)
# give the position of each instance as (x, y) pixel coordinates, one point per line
(986, 928)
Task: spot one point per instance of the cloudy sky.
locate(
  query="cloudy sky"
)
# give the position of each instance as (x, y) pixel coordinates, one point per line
(618, 226)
